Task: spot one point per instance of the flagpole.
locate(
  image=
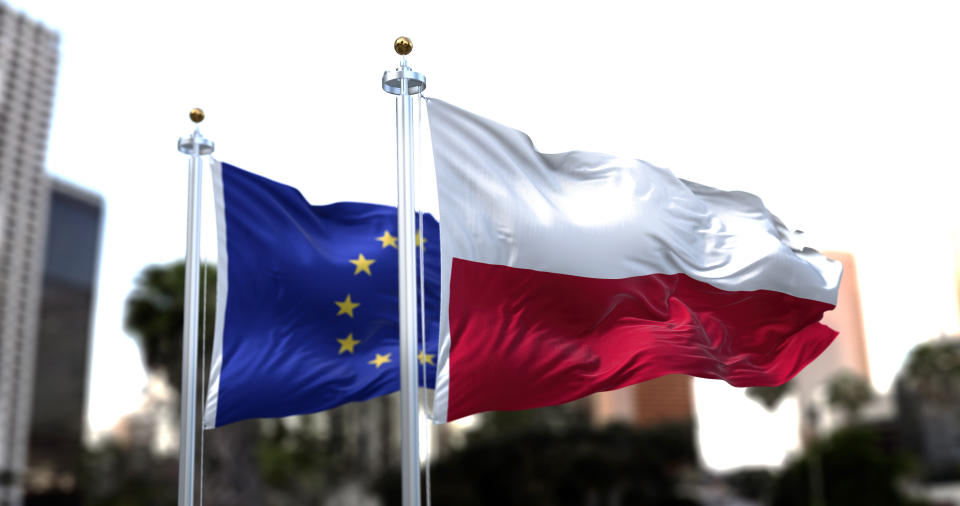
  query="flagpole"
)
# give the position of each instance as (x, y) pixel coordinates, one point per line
(405, 83)
(196, 146)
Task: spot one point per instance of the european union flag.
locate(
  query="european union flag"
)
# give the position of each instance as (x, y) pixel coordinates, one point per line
(307, 301)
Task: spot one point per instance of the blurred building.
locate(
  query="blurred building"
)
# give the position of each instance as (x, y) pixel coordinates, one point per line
(929, 417)
(667, 399)
(848, 352)
(62, 349)
(28, 67)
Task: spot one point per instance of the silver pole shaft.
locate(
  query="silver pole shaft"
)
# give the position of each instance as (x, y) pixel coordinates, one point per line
(410, 465)
(191, 327)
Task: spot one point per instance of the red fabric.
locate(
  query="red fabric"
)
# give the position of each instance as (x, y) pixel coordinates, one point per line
(523, 339)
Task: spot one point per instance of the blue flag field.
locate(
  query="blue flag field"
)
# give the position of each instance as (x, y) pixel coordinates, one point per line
(307, 301)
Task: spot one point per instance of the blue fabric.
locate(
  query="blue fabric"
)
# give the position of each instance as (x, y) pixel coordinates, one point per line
(285, 347)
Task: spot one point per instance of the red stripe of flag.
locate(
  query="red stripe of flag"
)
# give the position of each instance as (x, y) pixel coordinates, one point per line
(522, 338)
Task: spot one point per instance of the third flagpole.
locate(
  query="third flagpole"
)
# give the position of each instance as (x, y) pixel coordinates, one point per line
(405, 83)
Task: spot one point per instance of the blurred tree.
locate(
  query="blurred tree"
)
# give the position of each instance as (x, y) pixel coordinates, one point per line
(295, 463)
(770, 397)
(155, 316)
(850, 393)
(928, 405)
(555, 419)
(857, 470)
(614, 466)
(128, 475)
(932, 370)
(755, 484)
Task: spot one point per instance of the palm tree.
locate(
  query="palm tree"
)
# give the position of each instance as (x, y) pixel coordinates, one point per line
(155, 316)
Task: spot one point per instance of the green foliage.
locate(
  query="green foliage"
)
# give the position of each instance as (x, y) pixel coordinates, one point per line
(498, 424)
(849, 392)
(856, 470)
(128, 475)
(155, 315)
(933, 370)
(617, 465)
(295, 461)
(756, 484)
(769, 397)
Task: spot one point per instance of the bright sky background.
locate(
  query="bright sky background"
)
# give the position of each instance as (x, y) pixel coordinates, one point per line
(843, 116)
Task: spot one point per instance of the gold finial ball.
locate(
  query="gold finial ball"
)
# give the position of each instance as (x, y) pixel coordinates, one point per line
(196, 115)
(403, 46)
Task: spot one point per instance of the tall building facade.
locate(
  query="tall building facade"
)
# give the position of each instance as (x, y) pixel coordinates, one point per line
(667, 399)
(63, 343)
(848, 352)
(29, 57)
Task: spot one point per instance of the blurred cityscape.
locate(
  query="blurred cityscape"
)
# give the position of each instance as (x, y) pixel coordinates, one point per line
(632, 446)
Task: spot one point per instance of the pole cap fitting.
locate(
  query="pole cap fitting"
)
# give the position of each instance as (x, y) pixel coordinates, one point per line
(196, 115)
(403, 46)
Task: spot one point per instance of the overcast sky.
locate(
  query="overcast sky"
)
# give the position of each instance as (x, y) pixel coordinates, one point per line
(843, 116)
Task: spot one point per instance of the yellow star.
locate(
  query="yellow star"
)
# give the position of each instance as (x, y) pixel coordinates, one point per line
(425, 357)
(387, 240)
(363, 265)
(346, 306)
(420, 241)
(347, 343)
(380, 360)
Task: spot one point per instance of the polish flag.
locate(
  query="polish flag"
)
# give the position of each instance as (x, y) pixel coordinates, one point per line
(573, 273)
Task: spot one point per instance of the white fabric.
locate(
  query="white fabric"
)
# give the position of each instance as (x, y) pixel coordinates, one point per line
(216, 360)
(595, 215)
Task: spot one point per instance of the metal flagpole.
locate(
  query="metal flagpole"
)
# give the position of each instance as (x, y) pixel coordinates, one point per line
(405, 83)
(196, 146)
